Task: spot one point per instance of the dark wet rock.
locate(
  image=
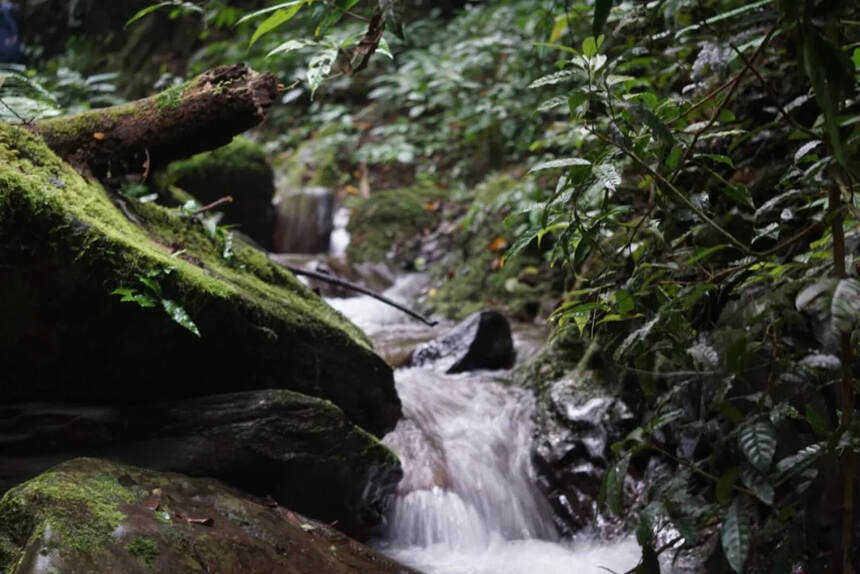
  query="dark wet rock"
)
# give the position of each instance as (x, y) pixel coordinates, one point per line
(480, 341)
(238, 170)
(300, 450)
(65, 336)
(305, 220)
(90, 516)
(577, 422)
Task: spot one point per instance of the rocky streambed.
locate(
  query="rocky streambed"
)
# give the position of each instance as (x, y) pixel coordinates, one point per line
(172, 401)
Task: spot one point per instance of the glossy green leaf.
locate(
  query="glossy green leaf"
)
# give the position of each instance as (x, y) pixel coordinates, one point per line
(179, 315)
(758, 484)
(560, 163)
(758, 443)
(615, 484)
(277, 19)
(735, 536)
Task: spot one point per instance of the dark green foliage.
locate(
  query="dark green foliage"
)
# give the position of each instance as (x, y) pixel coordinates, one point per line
(690, 203)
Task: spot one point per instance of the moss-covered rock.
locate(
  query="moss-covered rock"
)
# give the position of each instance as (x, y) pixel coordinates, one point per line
(65, 247)
(239, 170)
(300, 450)
(90, 516)
(390, 223)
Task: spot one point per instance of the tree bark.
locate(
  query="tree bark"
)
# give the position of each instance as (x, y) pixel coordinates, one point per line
(203, 114)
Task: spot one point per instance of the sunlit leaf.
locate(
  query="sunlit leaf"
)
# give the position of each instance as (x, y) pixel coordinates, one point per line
(559, 163)
(179, 315)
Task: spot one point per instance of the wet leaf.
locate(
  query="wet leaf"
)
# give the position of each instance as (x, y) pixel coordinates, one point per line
(735, 536)
(179, 315)
(558, 163)
(615, 484)
(758, 443)
(758, 484)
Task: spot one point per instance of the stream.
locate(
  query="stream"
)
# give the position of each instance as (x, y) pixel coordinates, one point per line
(468, 502)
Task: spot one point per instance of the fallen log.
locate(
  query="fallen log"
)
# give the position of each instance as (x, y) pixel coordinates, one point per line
(200, 115)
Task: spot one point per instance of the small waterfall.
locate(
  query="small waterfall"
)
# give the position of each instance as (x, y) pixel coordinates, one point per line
(465, 443)
(468, 501)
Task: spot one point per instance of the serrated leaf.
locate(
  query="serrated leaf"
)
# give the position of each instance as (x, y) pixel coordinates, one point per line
(559, 163)
(179, 315)
(553, 79)
(608, 176)
(758, 484)
(635, 337)
(758, 443)
(290, 46)
(735, 536)
(552, 103)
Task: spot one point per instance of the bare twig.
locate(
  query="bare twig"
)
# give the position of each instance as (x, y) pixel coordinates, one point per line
(349, 285)
(213, 205)
(734, 86)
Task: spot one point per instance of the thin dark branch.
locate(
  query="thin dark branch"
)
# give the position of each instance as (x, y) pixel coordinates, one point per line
(213, 205)
(358, 288)
(734, 87)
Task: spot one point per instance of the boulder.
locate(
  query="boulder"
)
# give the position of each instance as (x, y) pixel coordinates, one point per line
(90, 516)
(238, 170)
(300, 450)
(577, 421)
(480, 341)
(195, 314)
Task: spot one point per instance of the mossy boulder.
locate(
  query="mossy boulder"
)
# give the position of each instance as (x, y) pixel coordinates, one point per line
(90, 516)
(389, 225)
(300, 450)
(65, 247)
(239, 170)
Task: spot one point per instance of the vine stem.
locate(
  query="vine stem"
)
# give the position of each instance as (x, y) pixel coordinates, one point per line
(834, 208)
(734, 87)
(679, 195)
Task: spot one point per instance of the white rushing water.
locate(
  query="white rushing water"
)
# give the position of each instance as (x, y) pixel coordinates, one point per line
(468, 502)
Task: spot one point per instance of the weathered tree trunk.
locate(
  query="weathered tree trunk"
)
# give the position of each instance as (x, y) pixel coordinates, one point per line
(201, 115)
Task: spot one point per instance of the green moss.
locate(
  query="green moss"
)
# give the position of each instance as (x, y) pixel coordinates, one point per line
(145, 550)
(170, 98)
(312, 164)
(240, 155)
(82, 511)
(43, 194)
(390, 217)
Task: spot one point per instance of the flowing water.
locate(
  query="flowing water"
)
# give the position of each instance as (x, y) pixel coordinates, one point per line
(468, 502)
